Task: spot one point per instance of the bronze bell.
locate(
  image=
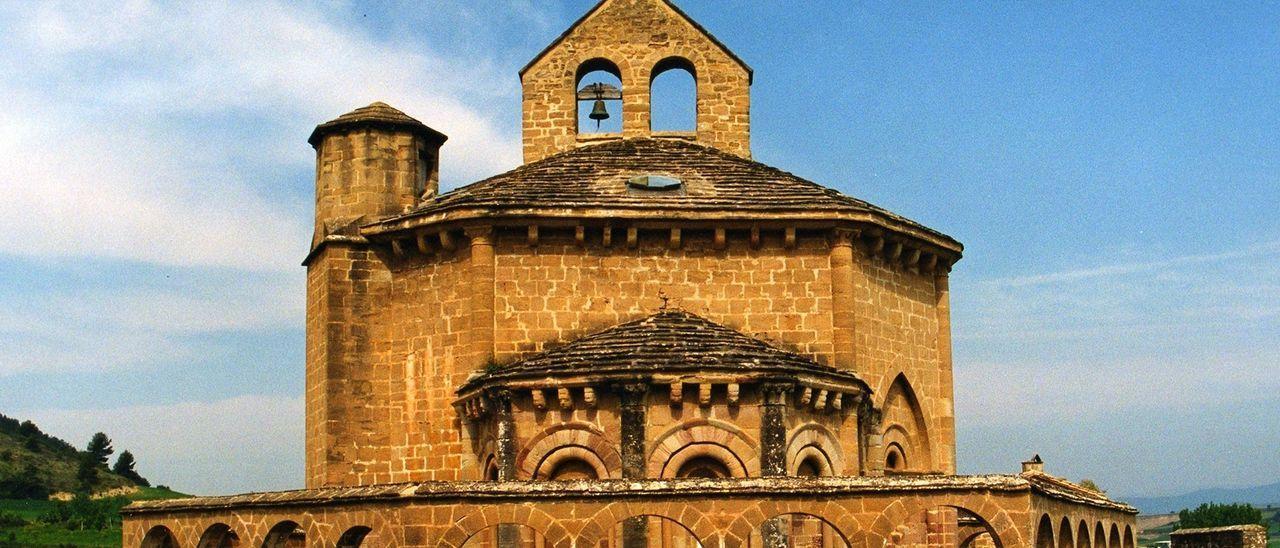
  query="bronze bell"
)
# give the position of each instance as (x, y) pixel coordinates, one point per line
(599, 112)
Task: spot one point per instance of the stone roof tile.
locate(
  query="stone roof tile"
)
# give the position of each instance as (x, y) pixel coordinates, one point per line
(669, 341)
(596, 176)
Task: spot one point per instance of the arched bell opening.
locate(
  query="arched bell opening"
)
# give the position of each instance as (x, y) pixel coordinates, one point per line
(673, 96)
(598, 96)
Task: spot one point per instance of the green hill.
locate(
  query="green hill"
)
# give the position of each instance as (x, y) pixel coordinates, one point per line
(34, 464)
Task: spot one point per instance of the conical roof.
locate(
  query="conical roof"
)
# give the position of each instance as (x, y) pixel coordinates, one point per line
(376, 114)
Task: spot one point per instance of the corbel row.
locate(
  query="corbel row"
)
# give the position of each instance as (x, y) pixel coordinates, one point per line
(425, 243)
(732, 392)
(904, 253)
(821, 400)
(675, 236)
(563, 398)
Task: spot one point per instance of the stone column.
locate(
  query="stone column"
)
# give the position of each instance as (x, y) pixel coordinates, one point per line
(773, 428)
(482, 289)
(842, 298)
(508, 534)
(635, 531)
(773, 453)
(872, 438)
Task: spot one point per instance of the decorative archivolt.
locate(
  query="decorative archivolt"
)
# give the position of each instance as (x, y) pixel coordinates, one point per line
(577, 440)
(814, 443)
(737, 451)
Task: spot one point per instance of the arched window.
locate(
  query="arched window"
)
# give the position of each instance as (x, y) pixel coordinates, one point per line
(573, 469)
(895, 459)
(810, 468)
(598, 85)
(703, 467)
(673, 96)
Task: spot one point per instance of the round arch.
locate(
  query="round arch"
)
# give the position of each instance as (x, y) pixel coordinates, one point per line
(1044, 532)
(1099, 535)
(1082, 535)
(219, 535)
(159, 536)
(673, 95)
(560, 458)
(1129, 540)
(816, 442)
(799, 529)
(1114, 541)
(354, 537)
(607, 519)
(582, 435)
(703, 456)
(1065, 539)
(484, 518)
(285, 534)
(705, 433)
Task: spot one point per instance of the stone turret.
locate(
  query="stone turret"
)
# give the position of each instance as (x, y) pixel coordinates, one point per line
(372, 162)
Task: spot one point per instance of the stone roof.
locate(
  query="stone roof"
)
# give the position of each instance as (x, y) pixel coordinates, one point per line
(714, 182)
(670, 341)
(1062, 489)
(377, 114)
(773, 488)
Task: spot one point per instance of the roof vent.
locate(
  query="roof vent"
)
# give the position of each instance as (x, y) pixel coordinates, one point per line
(654, 182)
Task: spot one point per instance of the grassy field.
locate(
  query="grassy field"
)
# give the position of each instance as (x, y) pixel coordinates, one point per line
(38, 533)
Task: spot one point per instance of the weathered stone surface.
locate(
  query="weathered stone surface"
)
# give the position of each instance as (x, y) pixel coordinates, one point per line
(1234, 536)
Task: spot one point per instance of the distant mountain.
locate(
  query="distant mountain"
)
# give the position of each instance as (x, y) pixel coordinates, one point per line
(1259, 496)
(33, 462)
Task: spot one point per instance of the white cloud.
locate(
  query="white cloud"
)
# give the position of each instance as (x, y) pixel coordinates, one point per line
(108, 329)
(1189, 330)
(137, 131)
(246, 443)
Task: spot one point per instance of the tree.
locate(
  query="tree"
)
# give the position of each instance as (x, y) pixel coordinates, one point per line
(1219, 515)
(1089, 484)
(100, 448)
(87, 473)
(30, 435)
(125, 467)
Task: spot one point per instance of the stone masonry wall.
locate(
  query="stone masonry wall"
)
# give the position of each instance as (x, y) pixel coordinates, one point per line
(898, 323)
(387, 347)
(635, 35)
(557, 291)
(1236, 536)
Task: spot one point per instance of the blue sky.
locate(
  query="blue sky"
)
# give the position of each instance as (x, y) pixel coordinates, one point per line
(1112, 168)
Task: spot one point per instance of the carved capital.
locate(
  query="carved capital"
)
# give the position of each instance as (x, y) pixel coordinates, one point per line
(843, 237)
(775, 393)
(479, 235)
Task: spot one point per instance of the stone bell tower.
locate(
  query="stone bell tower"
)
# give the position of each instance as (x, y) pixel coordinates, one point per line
(635, 40)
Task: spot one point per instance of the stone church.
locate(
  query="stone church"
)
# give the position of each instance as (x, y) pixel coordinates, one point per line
(637, 339)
